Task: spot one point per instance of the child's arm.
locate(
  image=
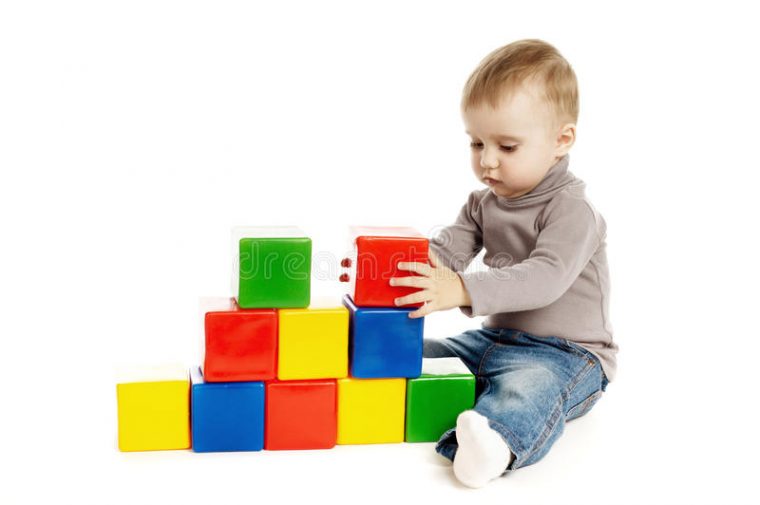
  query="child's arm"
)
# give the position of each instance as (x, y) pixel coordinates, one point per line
(570, 234)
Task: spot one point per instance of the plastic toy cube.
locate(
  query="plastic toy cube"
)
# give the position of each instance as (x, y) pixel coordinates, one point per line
(376, 252)
(226, 416)
(384, 342)
(313, 342)
(241, 345)
(433, 403)
(272, 268)
(301, 414)
(371, 411)
(154, 409)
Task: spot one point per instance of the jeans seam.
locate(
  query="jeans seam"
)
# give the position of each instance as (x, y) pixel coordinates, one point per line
(589, 356)
(582, 406)
(579, 377)
(551, 425)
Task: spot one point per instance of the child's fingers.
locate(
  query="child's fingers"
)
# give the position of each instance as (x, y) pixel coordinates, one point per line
(419, 268)
(419, 296)
(410, 280)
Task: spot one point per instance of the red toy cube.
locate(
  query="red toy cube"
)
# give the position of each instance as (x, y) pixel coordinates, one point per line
(376, 252)
(241, 344)
(301, 414)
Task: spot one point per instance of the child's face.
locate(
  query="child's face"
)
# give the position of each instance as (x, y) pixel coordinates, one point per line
(515, 145)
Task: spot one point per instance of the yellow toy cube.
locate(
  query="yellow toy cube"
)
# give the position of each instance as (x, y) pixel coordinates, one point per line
(371, 411)
(154, 409)
(313, 342)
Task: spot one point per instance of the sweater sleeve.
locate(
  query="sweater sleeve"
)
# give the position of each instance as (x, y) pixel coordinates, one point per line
(568, 239)
(458, 244)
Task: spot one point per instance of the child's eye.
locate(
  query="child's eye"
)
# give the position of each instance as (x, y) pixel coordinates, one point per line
(509, 149)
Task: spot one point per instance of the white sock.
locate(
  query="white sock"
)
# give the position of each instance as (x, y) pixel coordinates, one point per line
(482, 454)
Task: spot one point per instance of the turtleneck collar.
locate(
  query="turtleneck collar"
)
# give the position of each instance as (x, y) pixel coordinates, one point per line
(556, 179)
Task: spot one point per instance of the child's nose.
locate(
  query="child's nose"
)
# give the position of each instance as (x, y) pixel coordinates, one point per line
(489, 161)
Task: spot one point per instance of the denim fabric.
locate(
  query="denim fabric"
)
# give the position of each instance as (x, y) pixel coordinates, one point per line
(527, 386)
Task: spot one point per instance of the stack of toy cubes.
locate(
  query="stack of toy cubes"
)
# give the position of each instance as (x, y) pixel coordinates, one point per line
(283, 371)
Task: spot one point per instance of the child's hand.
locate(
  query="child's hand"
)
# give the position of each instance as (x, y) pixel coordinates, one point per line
(442, 288)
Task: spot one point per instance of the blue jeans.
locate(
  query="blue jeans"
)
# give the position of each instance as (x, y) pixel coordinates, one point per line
(527, 386)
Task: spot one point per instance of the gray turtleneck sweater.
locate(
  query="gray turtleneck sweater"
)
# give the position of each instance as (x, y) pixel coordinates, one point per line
(547, 260)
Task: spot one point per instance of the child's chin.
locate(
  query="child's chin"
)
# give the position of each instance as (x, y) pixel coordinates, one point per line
(505, 194)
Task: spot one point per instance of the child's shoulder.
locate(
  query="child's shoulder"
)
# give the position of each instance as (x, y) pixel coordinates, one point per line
(572, 204)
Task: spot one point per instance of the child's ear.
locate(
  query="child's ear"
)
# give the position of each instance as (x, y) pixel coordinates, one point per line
(565, 138)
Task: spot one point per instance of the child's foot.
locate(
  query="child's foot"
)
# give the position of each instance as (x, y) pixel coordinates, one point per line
(483, 454)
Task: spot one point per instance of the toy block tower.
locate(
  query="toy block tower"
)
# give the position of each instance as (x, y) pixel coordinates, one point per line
(284, 370)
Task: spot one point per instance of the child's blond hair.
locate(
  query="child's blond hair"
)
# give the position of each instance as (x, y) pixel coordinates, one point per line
(505, 69)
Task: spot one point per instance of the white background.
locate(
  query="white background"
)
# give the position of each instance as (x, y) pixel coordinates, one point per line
(134, 136)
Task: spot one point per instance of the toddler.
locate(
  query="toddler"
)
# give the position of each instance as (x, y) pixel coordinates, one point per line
(544, 354)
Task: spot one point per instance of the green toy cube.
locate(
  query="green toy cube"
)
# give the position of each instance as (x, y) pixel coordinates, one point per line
(273, 267)
(433, 403)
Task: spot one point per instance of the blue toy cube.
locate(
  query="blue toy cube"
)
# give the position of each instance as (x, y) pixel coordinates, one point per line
(226, 416)
(383, 342)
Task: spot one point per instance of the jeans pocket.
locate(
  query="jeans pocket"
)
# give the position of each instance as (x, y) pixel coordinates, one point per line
(584, 406)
